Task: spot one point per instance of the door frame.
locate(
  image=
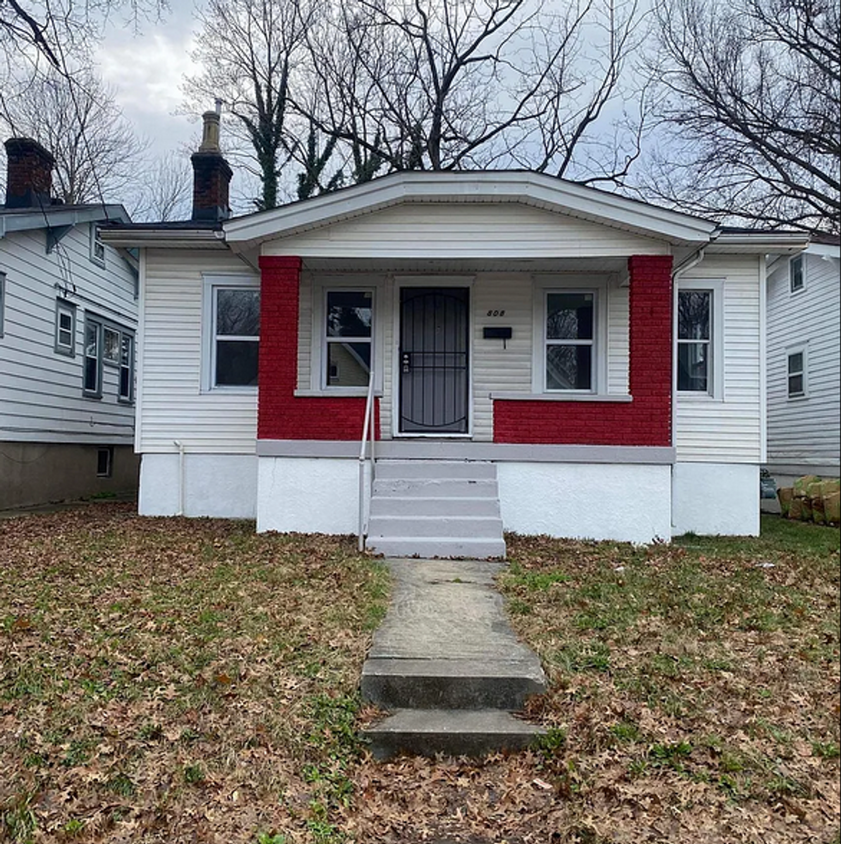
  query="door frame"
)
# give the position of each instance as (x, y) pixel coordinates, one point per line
(400, 282)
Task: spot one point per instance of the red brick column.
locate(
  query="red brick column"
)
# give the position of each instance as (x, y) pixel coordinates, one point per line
(280, 414)
(647, 419)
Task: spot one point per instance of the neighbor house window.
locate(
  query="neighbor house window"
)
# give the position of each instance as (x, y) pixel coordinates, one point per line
(65, 328)
(2, 301)
(236, 336)
(105, 462)
(110, 345)
(92, 371)
(694, 346)
(126, 387)
(97, 246)
(795, 273)
(569, 340)
(797, 373)
(347, 331)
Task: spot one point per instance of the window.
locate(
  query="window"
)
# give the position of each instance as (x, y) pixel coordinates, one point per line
(97, 246)
(92, 370)
(105, 462)
(569, 340)
(348, 322)
(126, 388)
(236, 336)
(110, 345)
(694, 347)
(796, 278)
(65, 328)
(797, 373)
(2, 300)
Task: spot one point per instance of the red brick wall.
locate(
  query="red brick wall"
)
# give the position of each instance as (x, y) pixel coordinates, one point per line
(647, 420)
(280, 415)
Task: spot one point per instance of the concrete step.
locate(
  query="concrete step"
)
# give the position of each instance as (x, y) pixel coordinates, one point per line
(417, 505)
(426, 732)
(435, 469)
(475, 527)
(431, 487)
(452, 683)
(430, 547)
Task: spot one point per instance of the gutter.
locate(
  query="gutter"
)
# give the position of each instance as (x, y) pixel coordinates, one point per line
(171, 238)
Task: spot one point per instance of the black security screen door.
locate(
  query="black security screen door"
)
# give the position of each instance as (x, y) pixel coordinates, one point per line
(433, 360)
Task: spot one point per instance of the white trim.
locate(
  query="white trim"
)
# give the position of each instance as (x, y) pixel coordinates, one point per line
(798, 349)
(401, 281)
(715, 389)
(210, 283)
(562, 395)
(139, 345)
(62, 306)
(763, 359)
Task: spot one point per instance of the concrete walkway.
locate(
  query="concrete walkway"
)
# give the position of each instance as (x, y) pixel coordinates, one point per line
(446, 663)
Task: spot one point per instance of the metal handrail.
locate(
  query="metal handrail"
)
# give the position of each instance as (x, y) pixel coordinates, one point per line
(365, 495)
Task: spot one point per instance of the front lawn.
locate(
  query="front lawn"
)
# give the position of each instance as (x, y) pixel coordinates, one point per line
(169, 680)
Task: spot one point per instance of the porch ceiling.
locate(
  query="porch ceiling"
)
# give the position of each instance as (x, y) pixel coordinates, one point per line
(468, 266)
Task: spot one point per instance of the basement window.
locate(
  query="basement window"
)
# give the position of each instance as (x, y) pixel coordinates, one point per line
(105, 462)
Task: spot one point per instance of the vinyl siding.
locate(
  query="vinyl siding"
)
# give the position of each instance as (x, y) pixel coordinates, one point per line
(41, 396)
(805, 431)
(439, 231)
(728, 429)
(172, 404)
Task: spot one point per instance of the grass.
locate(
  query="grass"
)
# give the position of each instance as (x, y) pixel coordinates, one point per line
(187, 680)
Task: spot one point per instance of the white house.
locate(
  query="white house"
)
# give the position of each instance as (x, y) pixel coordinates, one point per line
(68, 320)
(593, 364)
(804, 356)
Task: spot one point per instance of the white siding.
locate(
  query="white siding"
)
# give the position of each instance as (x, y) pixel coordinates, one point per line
(728, 429)
(804, 432)
(618, 339)
(41, 390)
(172, 405)
(430, 230)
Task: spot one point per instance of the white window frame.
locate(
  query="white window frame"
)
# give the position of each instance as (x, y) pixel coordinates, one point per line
(598, 363)
(63, 307)
(801, 349)
(715, 375)
(325, 341)
(97, 246)
(212, 284)
(792, 262)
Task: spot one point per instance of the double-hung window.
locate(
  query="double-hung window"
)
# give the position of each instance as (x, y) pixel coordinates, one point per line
(97, 246)
(348, 337)
(796, 275)
(125, 391)
(92, 364)
(796, 373)
(65, 328)
(108, 348)
(569, 340)
(236, 336)
(694, 341)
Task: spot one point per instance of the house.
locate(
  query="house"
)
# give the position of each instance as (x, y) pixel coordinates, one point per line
(68, 321)
(804, 345)
(598, 361)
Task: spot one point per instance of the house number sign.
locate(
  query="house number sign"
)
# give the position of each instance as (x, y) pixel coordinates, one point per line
(496, 312)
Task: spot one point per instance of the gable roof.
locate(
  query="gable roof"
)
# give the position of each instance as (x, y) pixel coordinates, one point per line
(58, 216)
(498, 186)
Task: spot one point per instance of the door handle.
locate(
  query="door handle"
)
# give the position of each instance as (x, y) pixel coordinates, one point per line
(406, 362)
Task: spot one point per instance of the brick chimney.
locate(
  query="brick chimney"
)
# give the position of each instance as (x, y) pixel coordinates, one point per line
(29, 177)
(211, 174)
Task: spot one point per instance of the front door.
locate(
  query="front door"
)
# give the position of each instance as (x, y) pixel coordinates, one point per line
(434, 342)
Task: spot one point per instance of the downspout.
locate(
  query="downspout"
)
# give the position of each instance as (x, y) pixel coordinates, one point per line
(180, 446)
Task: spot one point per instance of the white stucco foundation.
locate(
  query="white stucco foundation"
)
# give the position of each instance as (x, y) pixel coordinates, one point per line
(218, 485)
(630, 503)
(308, 495)
(715, 498)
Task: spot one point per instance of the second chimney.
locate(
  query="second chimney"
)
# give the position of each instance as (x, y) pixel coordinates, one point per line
(29, 177)
(211, 174)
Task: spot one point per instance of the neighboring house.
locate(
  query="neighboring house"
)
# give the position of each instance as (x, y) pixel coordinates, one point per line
(804, 355)
(509, 319)
(68, 321)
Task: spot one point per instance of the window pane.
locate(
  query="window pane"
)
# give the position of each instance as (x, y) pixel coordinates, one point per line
(692, 367)
(236, 363)
(349, 313)
(568, 367)
(111, 345)
(348, 364)
(92, 339)
(65, 320)
(796, 272)
(238, 312)
(569, 316)
(795, 385)
(125, 351)
(693, 315)
(795, 362)
(126, 368)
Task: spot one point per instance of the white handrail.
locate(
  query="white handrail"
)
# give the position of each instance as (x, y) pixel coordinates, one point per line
(365, 495)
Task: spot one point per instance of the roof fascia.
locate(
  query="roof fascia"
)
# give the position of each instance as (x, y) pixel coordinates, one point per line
(749, 243)
(57, 217)
(527, 188)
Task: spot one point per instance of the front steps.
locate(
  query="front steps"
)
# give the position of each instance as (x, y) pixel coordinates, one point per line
(446, 665)
(435, 508)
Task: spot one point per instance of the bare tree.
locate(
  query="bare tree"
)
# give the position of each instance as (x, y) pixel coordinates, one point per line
(165, 189)
(96, 151)
(249, 50)
(460, 84)
(751, 109)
